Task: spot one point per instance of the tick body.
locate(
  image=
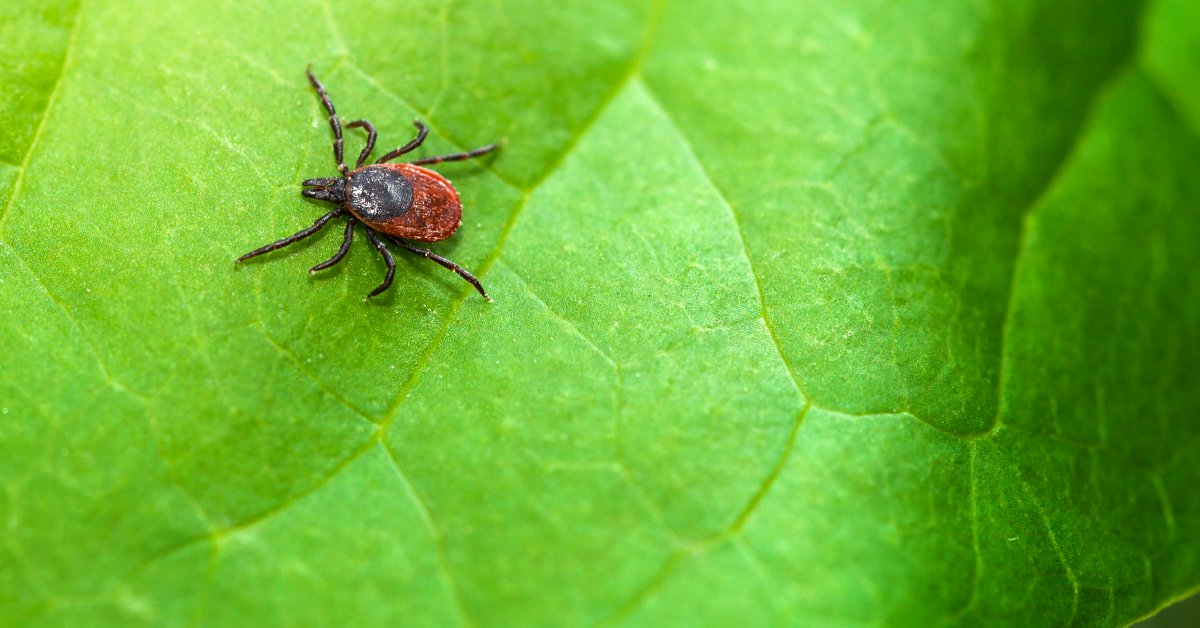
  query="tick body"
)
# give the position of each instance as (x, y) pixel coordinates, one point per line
(403, 201)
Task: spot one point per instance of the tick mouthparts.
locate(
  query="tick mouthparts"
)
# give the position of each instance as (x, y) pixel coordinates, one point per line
(317, 182)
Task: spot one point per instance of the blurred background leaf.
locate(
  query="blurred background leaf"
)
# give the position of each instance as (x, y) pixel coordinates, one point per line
(814, 313)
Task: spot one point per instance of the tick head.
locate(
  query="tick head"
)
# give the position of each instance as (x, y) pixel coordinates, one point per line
(332, 189)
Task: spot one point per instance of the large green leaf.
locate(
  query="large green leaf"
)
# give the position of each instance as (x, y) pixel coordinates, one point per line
(806, 312)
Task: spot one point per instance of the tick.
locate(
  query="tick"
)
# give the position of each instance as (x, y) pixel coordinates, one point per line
(402, 201)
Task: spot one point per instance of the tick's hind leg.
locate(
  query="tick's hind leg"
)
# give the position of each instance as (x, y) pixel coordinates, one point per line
(341, 252)
(455, 156)
(387, 258)
(422, 131)
(296, 237)
(430, 255)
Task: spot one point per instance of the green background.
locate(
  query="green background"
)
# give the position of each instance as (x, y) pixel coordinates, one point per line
(806, 312)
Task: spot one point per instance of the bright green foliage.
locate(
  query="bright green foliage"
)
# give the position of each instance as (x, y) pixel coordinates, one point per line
(806, 312)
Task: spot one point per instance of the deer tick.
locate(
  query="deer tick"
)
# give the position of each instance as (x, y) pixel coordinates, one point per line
(403, 201)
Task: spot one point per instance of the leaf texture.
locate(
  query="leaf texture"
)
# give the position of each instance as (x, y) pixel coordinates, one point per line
(807, 313)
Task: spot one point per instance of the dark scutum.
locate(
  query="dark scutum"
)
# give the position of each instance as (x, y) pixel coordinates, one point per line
(377, 194)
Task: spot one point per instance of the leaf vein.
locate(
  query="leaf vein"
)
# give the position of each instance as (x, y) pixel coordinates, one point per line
(295, 360)
(108, 378)
(68, 58)
(585, 129)
(1028, 217)
(763, 314)
(737, 223)
(568, 323)
(1058, 552)
(759, 495)
(977, 575)
(435, 530)
(214, 536)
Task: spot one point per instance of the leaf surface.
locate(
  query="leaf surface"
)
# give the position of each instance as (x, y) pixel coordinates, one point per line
(875, 312)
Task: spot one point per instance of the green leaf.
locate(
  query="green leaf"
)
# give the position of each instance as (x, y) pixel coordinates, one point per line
(806, 313)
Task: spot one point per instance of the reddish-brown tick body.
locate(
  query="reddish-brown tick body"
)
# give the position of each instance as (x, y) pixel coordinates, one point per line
(404, 201)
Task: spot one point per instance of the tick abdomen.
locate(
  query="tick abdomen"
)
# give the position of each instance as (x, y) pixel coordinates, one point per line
(405, 201)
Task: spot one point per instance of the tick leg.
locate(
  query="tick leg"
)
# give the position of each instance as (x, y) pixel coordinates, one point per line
(387, 258)
(319, 182)
(427, 254)
(422, 131)
(366, 151)
(341, 252)
(298, 236)
(456, 156)
(333, 120)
